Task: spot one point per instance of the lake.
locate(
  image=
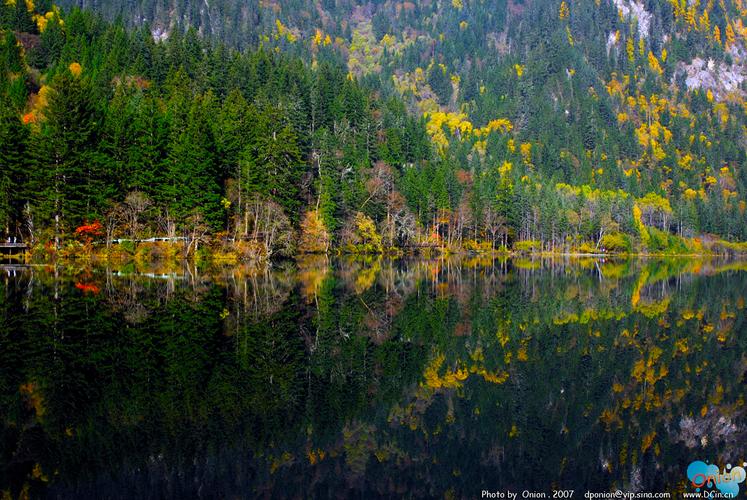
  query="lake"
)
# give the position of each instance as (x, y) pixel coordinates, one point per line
(368, 378)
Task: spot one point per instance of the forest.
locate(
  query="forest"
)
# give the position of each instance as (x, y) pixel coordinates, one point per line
(586, 127)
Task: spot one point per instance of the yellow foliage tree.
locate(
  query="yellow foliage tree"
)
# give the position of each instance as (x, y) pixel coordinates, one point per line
(284, 32)
(705, 22)
(630, 49)
(388, 40)
(730, 37)
(639, 225)
(363, 237)
(314, 235)
(42, 21)
(526, 152)
(653, 63)
(690, 18)
(76, 69)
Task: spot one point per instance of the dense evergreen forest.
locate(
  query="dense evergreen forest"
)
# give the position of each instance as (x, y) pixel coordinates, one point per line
(281, 127)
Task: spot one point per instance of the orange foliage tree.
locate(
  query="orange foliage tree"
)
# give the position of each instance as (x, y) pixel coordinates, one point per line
(87, 232)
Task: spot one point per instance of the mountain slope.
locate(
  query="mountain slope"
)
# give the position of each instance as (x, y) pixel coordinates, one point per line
(588, 124)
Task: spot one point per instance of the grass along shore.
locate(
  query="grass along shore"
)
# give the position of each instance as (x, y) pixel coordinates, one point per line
(220, 251)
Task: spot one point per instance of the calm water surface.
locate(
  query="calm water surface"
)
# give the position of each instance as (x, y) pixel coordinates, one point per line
(372, 378)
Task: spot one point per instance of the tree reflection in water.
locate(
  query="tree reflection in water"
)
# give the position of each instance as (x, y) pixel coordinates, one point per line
(369, 377)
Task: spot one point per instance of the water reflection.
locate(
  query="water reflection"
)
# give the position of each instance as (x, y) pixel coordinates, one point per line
(369, 377)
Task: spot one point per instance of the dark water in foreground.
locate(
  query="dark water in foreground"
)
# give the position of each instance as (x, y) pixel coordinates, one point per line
(365, 379)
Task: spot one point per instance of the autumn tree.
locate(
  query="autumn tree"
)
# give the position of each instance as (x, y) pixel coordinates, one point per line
(314, 235)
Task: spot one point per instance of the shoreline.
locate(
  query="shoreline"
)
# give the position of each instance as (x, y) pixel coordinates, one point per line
(210, 257)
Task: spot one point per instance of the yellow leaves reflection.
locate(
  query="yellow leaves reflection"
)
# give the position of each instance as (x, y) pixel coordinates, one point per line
(453, 378)
(312, 272)
(284, 459)
(315, 456)
(648, 440)
(32, 392)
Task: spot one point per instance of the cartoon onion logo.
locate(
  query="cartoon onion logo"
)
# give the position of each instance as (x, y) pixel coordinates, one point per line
(703, 475)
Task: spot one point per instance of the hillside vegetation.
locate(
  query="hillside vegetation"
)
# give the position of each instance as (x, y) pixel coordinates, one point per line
(297, 126)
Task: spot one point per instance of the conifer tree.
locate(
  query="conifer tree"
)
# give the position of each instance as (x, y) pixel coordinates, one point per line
(192, 182)
(72, 184)
(14, 173)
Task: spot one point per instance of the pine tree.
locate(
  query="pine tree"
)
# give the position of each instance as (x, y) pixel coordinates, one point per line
(148, 152)
(51, 47)
(14, 187)
(10, 54)
(440, 83)
(232, 131)
(192, 181)
(273, 164)
(73, 187)
(20, 18)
